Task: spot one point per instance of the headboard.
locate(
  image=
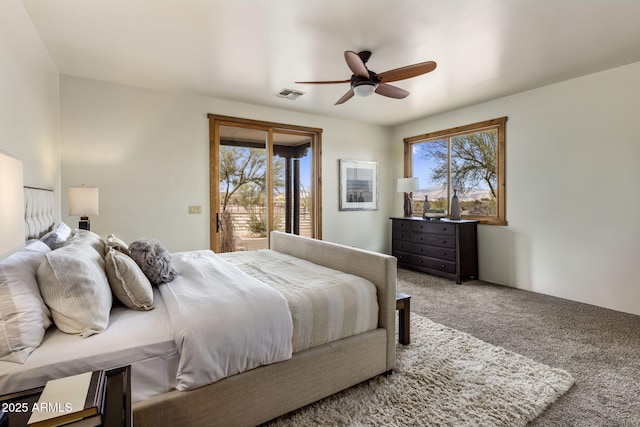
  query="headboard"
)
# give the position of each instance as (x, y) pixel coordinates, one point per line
(39, 211)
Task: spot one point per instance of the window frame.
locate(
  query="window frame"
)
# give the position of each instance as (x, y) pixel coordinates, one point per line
(500, 125)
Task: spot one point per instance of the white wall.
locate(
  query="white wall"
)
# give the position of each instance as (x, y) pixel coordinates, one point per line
(29, 98)
(573, 151)
(148, 152)
(573, 171)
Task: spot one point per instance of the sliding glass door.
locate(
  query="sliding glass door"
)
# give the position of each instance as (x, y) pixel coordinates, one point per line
(263, 177)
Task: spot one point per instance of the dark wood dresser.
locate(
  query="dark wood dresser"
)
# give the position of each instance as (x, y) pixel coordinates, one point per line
(444, 248)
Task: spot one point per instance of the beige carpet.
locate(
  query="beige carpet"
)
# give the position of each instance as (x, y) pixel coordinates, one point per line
(443, 378)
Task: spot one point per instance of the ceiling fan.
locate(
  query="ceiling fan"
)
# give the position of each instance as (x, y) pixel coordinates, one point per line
(364, 81)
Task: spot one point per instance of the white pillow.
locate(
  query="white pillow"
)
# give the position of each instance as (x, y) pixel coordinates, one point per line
(117, 243)
(23, 315)
(90, 238)
(57, 237)
(74, 285)
(127, 281)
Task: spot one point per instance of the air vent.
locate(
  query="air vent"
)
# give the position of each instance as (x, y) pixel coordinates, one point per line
(289, 94)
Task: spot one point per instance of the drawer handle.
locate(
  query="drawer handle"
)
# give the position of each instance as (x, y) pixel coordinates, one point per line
(442, 266)
(444, 254)
(444, 241)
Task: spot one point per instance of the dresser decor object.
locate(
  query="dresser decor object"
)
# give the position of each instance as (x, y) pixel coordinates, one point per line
(431, 214)
(444, 248)
(426, 206)
(455, 207)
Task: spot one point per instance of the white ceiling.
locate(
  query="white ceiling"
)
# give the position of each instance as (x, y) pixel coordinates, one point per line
(247, 50)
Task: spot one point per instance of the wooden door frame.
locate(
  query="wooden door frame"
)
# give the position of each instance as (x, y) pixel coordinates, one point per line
(215, 121)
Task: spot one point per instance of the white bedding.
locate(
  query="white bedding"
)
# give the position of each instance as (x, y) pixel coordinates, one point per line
(224, 320)
(212, 321)
(142, 339)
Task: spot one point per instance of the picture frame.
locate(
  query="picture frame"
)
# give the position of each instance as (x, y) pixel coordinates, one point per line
(358, 185)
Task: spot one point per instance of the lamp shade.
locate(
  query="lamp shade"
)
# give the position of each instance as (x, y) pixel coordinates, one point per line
(11, 204)
(407, 185)
(83, 201)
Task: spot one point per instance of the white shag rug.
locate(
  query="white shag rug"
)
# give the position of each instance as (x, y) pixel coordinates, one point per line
(443, 378)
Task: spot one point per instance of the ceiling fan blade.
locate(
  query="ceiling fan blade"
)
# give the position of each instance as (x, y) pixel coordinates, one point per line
(324, 82)
(347, 96)
(355, 64)
(407, 72)
(391, 91)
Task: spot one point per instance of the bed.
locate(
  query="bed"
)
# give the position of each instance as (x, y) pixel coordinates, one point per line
(167, 390)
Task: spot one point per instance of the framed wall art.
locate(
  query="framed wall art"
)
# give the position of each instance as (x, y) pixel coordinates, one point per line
(358, 185)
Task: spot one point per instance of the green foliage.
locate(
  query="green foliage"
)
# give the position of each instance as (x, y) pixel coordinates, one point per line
(257, 226)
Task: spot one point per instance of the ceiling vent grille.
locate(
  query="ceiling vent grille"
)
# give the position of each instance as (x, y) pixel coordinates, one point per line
(289, 94)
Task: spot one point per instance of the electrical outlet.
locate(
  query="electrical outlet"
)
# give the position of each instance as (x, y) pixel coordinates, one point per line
(195, 209)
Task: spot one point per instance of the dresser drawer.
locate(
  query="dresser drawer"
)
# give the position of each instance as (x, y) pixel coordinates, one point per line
(447, 254)
(404, 235)
(401, 245)
(404, 259)
(401, 225)
(443, 241)
(434, 264)
(437, 227)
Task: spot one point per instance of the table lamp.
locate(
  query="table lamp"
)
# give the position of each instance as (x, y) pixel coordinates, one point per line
(83, 201)
(407, 186)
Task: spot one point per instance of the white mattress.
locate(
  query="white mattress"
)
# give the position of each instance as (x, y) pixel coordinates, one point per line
(142, 339)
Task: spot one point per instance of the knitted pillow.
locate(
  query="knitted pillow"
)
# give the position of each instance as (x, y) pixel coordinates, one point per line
(154, 260)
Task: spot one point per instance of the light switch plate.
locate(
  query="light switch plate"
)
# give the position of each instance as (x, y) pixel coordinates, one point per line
(195, 209)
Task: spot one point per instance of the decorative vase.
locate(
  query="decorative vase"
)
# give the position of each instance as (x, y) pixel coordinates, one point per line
(426, 207)
(455, 207)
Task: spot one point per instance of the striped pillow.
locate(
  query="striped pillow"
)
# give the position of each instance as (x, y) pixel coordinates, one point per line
(74, 285)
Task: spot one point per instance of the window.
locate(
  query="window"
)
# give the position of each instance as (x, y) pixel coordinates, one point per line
(468, 161)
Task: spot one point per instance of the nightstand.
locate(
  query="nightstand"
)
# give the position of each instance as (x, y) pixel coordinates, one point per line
(117, 407)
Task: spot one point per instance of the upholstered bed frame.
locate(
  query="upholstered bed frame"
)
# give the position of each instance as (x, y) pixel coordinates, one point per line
(39, 212)
(258, 395)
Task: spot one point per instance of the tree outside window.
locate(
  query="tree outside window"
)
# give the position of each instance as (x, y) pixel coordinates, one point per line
(467, 159)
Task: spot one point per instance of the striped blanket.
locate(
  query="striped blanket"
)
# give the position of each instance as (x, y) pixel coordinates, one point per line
(326, 305)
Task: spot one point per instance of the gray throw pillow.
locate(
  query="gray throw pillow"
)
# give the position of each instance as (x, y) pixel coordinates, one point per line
(154, 260)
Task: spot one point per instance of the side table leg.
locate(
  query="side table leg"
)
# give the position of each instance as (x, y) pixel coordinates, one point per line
(403, 322)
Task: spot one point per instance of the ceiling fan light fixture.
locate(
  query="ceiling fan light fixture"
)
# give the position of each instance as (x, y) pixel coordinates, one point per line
(364, 89)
